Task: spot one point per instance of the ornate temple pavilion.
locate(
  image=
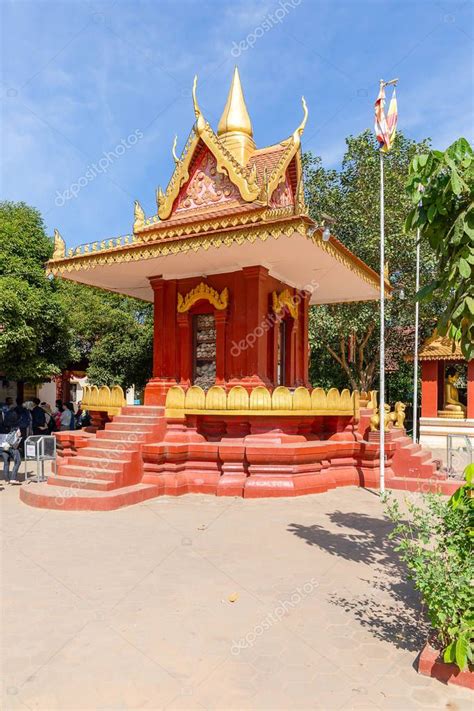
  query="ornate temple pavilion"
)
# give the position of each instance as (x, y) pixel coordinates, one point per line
(232, 228)
(232, 263)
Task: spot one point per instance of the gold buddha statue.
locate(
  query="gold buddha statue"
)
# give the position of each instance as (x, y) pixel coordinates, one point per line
(452, 406)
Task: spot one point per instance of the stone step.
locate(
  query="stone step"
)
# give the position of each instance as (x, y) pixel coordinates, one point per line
(73, 470)
(121, 446)
(119, 455)
(440, 486)
(138, 419)
(421, 456)
(411, 447)
(130, 436)
(80, 482)
(129, 427)
(143, 410)
(61, 498)
(423, 472)
(99, 462)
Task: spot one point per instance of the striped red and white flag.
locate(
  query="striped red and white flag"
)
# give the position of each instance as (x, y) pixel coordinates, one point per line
(385, 126)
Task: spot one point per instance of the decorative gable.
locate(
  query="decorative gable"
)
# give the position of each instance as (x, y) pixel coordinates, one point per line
(206, 187)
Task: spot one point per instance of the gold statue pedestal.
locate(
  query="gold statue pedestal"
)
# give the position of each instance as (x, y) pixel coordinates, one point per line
(452, 414)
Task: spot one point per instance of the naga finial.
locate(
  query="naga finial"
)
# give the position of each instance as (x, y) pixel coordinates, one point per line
(173, 150)
(200, 123)
(160, 196)
(139, 214)
(297, 134)
(197, 110)
(59, 246)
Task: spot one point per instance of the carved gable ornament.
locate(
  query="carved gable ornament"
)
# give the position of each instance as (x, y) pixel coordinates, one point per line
(284, 300)
(203, 292)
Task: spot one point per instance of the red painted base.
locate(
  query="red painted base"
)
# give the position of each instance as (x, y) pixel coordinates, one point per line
(431, 664)
(143, 454)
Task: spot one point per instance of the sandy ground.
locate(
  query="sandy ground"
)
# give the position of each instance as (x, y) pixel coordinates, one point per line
(210, 603)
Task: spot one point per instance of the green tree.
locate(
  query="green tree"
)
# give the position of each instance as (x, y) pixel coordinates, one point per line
(444, 214)
(351, 197)
(112, 333)
(34, 329)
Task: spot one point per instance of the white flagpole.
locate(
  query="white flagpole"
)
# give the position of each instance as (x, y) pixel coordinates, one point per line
(415, 362)
(382, 332)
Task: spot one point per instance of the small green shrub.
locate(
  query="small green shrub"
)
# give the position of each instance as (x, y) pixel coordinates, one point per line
(436, 543)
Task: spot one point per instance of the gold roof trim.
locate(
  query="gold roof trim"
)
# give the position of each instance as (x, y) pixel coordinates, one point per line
(165, 201)
(138, 250)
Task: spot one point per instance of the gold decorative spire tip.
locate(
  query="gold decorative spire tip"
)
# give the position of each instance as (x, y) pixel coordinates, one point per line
(235, 116)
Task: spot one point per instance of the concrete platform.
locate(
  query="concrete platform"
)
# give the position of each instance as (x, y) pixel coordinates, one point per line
(132, 608)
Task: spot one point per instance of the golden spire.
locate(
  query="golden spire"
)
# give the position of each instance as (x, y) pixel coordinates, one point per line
(235, 127)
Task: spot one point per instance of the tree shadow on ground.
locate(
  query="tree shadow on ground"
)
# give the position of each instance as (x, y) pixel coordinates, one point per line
(391, 611)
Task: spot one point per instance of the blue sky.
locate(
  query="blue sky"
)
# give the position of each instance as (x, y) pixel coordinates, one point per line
(81, 78)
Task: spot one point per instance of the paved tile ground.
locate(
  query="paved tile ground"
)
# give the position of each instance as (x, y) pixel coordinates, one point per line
(132, 609)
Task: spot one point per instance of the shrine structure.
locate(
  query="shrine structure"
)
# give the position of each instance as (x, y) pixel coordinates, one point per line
(232, 262)
(444, 410)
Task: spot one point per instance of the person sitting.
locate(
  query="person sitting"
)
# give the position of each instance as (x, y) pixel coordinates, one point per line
(9, 452)
(24, 422)
(9, 417)
(67, 417)
(451, 393)
(38, 418)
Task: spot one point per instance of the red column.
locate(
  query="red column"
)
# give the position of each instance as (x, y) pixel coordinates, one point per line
(441, 383)
(236, 357)
(303, 355)
(220, 318)
(165, 367)
(185, 347)
(470, 390)
(256, 310)
(170, 331)
(157, 285)
(429, 388)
